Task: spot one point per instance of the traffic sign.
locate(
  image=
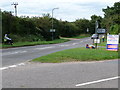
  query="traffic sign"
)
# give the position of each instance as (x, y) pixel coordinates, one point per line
(52, 30)
(96, 40)
(101, 31)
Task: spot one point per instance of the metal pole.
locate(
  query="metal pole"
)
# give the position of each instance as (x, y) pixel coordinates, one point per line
(96, 26)
(52, 21)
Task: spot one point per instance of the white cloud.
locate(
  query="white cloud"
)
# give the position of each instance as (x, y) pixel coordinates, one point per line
(68, 9)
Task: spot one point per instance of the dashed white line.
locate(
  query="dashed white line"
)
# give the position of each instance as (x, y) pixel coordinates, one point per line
(12, 66)
(98, 81)
(3, 68)
(64, 45)
(74, 43)
(45, 48)
(10, 53)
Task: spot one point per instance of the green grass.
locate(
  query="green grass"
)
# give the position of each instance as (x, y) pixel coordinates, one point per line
(19, 44)
(103, 43)
(78, 54)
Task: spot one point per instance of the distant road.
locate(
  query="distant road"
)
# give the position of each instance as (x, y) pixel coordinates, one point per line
(13, 56)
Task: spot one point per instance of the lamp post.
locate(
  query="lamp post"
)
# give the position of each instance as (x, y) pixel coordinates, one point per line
(96, 26)
(53, 30)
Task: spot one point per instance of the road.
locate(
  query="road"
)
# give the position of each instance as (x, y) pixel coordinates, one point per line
(101, 74)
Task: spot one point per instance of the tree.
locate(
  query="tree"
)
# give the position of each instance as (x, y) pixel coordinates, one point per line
(82, 25)
(112, 18)
(93, 20)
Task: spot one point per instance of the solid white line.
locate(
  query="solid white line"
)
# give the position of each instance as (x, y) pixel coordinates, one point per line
(102, 80)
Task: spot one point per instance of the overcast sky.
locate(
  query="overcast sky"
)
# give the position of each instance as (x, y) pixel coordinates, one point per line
(69, 10)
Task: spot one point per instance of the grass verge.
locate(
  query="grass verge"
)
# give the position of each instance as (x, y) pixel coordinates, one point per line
(103, 43)
(19, 44)
(78, 54)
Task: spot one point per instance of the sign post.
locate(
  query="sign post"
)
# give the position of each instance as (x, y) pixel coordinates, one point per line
(112, 42)
(96, 41)
(52, 31)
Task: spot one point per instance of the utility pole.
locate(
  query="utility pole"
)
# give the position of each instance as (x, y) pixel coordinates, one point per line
(15, 6)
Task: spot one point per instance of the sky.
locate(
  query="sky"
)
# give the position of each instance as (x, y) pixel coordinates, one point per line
(69, 10)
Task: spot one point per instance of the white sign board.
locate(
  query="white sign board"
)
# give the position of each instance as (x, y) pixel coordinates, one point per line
(112, 42)
(96, 40)
(52, 30)
(112, 39)
(99, 30)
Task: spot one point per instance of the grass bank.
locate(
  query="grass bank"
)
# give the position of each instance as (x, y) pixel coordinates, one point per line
(19, 44)
(78, 54)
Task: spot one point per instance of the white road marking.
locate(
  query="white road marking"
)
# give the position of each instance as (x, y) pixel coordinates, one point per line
(21, 64)
(74, 43)
(12, 66)
(61, 45)
(10, 53)
(98, 81)
(3, 68)
(45, 48)
(64, 45)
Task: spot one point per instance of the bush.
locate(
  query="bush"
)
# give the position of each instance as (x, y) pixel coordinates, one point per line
(31, 38)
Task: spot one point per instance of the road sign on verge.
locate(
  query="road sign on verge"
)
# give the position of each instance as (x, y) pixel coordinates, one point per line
(112, 42)
(96, 40)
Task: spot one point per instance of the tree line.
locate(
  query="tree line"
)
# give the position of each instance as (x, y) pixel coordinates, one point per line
(38, 28)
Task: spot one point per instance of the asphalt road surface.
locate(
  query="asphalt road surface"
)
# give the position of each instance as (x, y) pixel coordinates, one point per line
(18, 73)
